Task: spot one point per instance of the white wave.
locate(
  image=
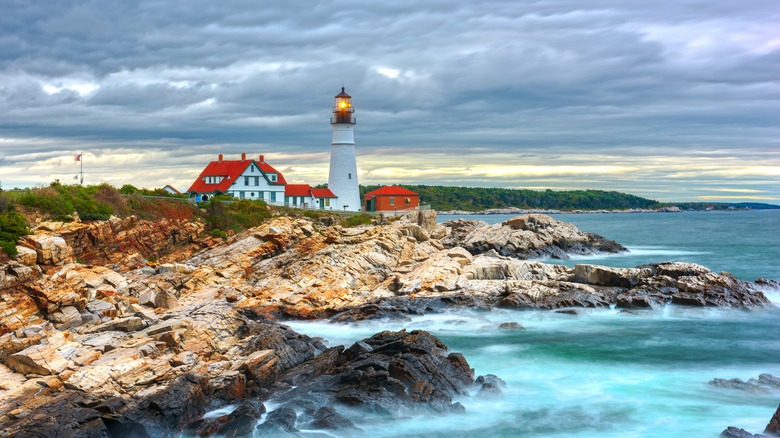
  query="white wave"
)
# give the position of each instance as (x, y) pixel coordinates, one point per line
(216, 413)
(773, 294)
(659, 250)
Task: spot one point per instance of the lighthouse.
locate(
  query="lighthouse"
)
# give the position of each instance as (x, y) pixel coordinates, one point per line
(342, 180)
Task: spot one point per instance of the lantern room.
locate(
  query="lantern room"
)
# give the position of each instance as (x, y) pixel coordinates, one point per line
(343, 110)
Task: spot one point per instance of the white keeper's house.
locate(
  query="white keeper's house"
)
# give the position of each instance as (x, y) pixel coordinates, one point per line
(255, 179)
(248, 178)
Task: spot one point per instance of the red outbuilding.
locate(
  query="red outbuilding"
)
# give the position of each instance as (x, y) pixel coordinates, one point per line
(391, 198)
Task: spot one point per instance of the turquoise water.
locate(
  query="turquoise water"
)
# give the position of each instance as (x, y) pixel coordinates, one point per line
(605, 373)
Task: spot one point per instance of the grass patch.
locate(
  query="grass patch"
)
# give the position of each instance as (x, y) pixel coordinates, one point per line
(356, 220)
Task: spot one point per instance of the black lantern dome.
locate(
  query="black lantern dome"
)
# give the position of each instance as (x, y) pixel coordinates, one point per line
(343, 110)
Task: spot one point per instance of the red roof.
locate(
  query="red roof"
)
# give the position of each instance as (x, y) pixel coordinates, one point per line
(391, 191)
(230, 170)
(267, 168)
(322, 193)
(297, 190)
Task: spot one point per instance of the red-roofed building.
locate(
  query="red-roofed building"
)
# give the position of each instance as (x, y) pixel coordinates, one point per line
(302, 195)
(256, 179)
(243, 179)
(391, 198)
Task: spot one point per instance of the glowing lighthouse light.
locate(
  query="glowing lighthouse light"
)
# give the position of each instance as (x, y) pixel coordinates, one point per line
(342, 179)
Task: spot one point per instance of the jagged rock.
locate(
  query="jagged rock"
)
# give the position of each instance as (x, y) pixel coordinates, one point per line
(768, 380)
(737, 384)
(103, 341)
(773, 428)
(157, 298)
(42, 359)
(127, 324)
(490, 390)
(26, 256)
(240, 422)
(54, 414)
(510, 326)
(51, 250)
(639, 301)
(388, 372)
(102, 308)
(492, 379)
(764, 383)
(262, 366)
(734, 432)
(605, 276)
(66, 317)
(278, 422)
(327, 418)
(528, 236)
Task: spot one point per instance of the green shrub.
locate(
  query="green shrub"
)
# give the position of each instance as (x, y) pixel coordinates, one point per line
(218, 233)
(354, 221)
(128, 189)
(48, 201)
(12, 226)
(226, 213)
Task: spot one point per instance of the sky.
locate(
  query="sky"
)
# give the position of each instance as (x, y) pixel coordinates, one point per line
(673, 100)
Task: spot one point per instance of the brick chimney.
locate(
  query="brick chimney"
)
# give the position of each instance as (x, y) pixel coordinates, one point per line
(243, 157)
(220, 157)
(261, 159)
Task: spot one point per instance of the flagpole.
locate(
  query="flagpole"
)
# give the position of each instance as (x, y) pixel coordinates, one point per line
(81, 160)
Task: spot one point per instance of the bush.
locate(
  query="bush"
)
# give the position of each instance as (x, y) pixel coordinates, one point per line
(48, 201)
(12, 226)
(128, 189)
(225, 213)
(155, 209)
(354, 221)
(218, 233)
(5, 203)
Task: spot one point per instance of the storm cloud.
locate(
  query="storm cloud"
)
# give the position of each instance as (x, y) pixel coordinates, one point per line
(671, 99)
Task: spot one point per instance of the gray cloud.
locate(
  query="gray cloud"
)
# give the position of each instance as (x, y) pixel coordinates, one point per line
(499, 83)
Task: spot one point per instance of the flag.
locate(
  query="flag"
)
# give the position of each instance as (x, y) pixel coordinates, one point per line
(78, 157)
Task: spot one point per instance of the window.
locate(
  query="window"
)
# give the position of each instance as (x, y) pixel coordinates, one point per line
(273, 196)
(392, 201)
(272, 177)
(327, 202)
(407, 201)
(257, 180)
(350, 176)
(246, 180)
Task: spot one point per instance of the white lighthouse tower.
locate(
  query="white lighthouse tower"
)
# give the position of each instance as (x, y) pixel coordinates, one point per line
(342, 180)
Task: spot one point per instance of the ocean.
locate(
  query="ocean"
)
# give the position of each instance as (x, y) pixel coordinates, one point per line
(605, 373)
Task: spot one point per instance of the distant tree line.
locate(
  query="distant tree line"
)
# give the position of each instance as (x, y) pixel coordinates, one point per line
(483, 198)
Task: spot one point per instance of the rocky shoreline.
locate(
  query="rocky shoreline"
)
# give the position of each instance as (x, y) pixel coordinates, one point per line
(522, 211)
(115, 345)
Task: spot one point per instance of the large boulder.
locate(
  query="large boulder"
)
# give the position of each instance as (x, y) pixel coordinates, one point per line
(390, 372)
(528, 236)
(51, 250)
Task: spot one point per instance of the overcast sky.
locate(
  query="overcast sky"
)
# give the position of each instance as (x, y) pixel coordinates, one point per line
(668, 99)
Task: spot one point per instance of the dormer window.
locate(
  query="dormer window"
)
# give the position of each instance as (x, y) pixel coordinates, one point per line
(213, 179)
(272, 177)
